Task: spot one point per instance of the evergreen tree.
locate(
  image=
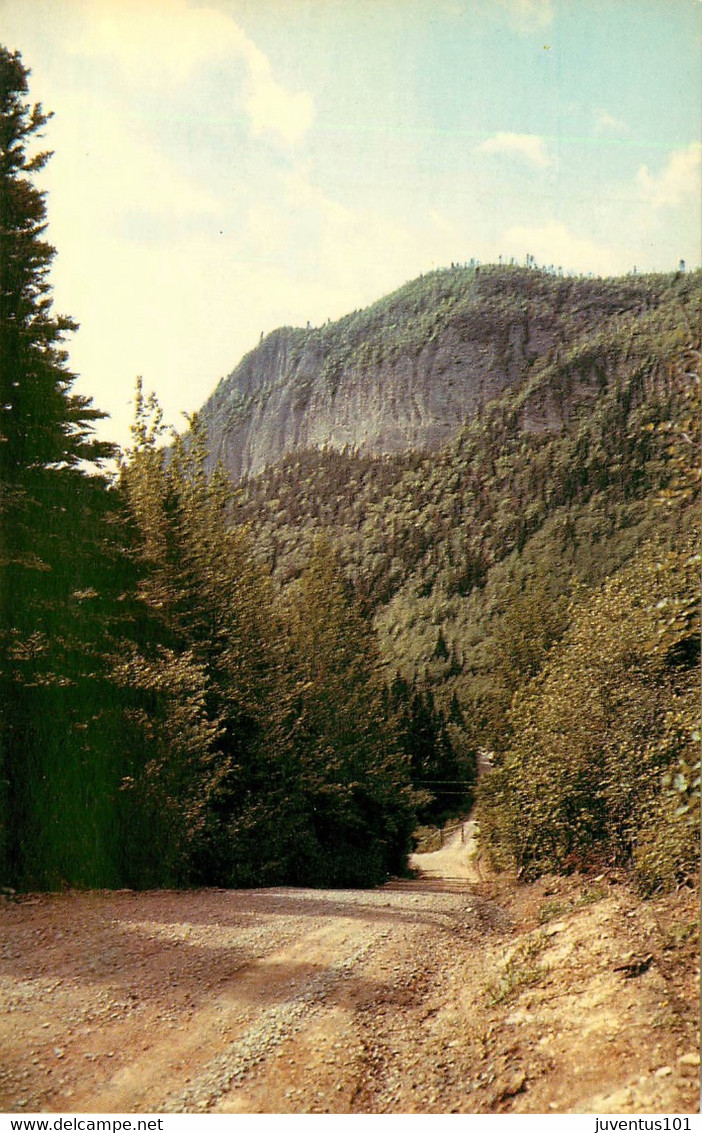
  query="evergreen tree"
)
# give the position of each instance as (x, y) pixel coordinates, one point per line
(442, 762)
(195, 666)
(353, 776)
(52, 516)
(42, 423)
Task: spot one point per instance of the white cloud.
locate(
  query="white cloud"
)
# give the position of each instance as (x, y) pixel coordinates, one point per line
(527, 16)
(110, 167)
(164, 42)
(351, 251)
(553, 243)
(679, 181)
(528, 147)
(269, 105)
(606, 123)
(161, 41)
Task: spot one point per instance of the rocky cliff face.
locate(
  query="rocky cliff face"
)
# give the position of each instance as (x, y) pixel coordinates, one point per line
(404, 374)
(278, 400)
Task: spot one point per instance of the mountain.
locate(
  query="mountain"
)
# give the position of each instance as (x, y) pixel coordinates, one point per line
(408, 372)
(549, 486)
(505, 464)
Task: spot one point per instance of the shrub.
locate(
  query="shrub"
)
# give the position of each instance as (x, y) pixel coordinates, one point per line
(601, 767)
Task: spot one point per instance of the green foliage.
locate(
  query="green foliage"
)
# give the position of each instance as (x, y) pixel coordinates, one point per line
(601, 736)
(171, 742)
(427, 839)
(550, 910)
(353, 778)
(521, 969)
(184, 702)
(260, 747)
(531, 616)
(193, 665)
(553, 480)
(442, 761)
(58, 567)
(42, 423)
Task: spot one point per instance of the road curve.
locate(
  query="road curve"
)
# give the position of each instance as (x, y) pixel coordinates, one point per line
(271, 1000)
(437, 995)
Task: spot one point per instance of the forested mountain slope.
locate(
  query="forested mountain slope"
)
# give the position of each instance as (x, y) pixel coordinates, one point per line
(554, 478)
(279, 683)
(481, 563)
(409, 371)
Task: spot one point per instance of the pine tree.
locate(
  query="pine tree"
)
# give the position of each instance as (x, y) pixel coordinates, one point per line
(353, 781)
(42, 423)
(441, 758)
(49, 512)
(197, 668)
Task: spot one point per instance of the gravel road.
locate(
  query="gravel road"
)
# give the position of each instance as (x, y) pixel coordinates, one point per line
(210, 1000)
(306, 1001)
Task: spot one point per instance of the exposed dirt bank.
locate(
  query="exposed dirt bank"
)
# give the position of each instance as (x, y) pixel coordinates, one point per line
(451, 993)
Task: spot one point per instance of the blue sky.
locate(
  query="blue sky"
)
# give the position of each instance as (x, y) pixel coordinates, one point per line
(225, 167)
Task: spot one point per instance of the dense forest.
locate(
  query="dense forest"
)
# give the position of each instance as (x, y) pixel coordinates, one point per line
(279, 681)
(567, 504)
(166, 718)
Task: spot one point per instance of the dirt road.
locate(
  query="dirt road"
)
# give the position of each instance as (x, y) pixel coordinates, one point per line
(431, 996)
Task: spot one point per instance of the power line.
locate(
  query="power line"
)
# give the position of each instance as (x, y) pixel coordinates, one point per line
(446, 782)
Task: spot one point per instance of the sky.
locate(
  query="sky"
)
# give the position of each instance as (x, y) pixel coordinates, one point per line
(224, 167)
